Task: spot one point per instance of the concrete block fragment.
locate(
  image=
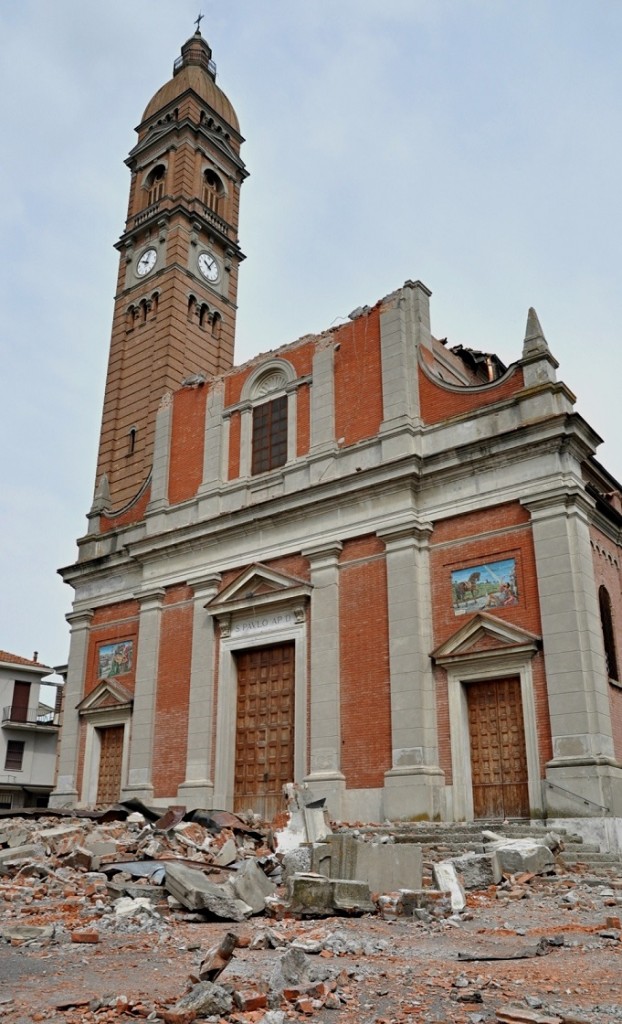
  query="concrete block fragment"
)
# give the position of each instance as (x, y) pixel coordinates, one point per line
(227, 854)
(204, 1000)
(31, 850)
(384, 866)
(251, 885)
(351, 895)
(310, 893)
(195, 892)
(519, 855)
(478, 870)
(447, 881)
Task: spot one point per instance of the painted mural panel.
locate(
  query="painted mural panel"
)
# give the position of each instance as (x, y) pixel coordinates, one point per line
(115, 659)
(489, 585)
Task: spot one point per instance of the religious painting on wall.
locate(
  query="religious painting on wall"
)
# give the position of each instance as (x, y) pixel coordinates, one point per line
(489, 585)
(115, 659)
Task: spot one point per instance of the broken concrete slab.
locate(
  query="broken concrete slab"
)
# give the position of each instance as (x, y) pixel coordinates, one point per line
(522, 855)
(478, 870)
(384, 866)
(447, 881)
(523, 1015)
(203, 1000)
(195, 892)
(21, 853)
(251, 885)
(227, 854)
(311, 893)
(26, 932)
(351, 896)
(503, 950)
(308, 821)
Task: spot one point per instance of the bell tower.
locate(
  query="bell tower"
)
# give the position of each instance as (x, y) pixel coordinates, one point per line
(175, 305)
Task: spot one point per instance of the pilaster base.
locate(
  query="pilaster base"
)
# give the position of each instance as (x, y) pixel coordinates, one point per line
(414, 792)
(197, 795)
(63, 798)
(332, 786)
(583, 787)
(142, 793)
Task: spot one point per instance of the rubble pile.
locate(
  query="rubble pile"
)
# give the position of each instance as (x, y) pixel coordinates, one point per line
(249, 924)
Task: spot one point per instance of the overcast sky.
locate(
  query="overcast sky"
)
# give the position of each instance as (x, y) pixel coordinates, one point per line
(474, 144)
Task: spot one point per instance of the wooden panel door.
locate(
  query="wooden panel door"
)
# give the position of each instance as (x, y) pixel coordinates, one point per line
(110, 762)
(498, 753)
(264, 748)
(19, 706)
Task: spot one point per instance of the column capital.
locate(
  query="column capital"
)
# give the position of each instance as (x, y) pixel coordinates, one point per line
(562, 500)
(150, 599)
(405, 534)
(323, 554)
(79, 620)
(205, 587)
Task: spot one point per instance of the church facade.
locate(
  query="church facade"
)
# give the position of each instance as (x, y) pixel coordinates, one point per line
(367, 560)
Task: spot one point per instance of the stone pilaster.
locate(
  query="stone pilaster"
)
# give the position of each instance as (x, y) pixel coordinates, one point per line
(65, 793)
(404, 328)
(325, 777)
(198, 788)
(161, 455)
(323, 399)
(583, 754)
(414, 784)
(139, 782)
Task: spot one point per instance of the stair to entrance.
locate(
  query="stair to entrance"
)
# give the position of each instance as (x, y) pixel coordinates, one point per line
(441, 840)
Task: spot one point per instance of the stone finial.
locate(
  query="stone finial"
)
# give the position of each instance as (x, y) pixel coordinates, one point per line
(534, 342)
(101, 500)
(539, 364)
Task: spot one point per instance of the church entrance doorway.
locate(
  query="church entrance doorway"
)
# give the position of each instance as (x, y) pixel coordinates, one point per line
(498, 752)
(110, 764)
(264, 750)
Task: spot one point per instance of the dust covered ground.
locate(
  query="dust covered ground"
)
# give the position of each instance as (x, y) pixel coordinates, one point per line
(542, 949)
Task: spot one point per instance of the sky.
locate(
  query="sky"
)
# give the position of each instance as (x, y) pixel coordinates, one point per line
(471, 144)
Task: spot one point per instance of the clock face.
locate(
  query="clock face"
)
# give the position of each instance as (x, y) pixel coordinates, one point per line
(146, 262)
(208, 266)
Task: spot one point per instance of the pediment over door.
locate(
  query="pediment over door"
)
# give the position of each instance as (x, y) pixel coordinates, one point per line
(486, 636)
(262, 592)
(109, 695)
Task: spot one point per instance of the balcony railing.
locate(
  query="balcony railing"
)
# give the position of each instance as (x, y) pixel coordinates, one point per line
(16, 716)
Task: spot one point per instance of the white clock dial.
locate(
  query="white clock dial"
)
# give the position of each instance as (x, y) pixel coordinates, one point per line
(208, 266)
(146, 262)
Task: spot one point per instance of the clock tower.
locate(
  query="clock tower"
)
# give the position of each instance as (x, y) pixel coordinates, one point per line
(175, 305)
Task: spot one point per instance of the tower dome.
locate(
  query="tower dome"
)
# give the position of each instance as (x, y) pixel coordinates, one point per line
(195, 70)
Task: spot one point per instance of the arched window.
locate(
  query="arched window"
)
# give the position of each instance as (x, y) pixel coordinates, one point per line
(213, 191)
(131, 440)
(155, 184)
(269, 449)
(204, 315)
(216, 325)
(606, 621)
(130, 313)
(192, 305)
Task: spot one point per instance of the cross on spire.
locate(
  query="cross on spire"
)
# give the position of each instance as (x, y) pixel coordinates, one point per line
(198, 22)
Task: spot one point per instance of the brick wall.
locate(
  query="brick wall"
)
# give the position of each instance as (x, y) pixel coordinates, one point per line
(173, 692)
(358, 379)
(364, 664)
(187, 443)
(439, 403)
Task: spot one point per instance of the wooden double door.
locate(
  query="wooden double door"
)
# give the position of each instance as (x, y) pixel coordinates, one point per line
(498, 752)
(264, 743)
(110, 764)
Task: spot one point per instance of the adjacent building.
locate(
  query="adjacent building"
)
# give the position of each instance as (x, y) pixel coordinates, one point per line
(28, 733)
(368, 560)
